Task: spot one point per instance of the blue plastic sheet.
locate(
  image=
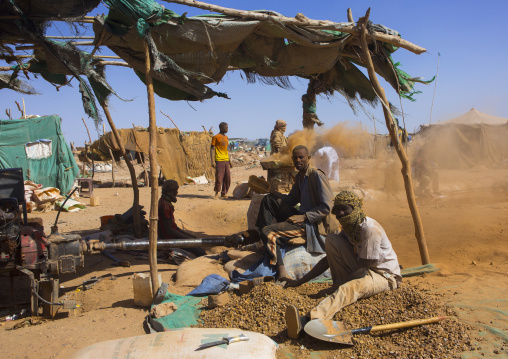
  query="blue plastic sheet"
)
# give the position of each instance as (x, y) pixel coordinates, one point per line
(212, 284)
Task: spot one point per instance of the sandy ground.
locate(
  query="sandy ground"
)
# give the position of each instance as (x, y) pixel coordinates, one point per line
(465, 227)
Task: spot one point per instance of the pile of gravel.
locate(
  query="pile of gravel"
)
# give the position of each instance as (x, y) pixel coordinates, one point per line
(262, 310)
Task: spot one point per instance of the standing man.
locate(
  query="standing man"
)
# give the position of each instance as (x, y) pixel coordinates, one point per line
(277, 139)
(361, 260)
(220, 161)
(311, 221)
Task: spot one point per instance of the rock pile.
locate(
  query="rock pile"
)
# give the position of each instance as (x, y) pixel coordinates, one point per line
(262, 310)
(246, 158)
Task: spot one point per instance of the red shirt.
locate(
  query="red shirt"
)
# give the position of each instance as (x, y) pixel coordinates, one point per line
(166, 214)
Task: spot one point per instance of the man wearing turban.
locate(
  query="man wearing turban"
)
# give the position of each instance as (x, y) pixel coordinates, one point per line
(277, 139)
(361, 260)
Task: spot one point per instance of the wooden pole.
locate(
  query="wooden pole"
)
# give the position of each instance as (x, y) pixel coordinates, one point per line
(24, 111)
(141, 157)
(112, 158)
(84, 161)
(90, 139)
(317, 24)
(99, 63)
(350, 15)
(19, 108)
(135, 206)
(154, 194)
(71, 37)
(112, 166)
(375, 136)
(435, 86)
(406, 166)
(111, 63)
(106, 57)
(180, 132)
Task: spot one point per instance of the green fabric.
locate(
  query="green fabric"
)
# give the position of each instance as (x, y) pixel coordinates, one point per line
(58, 170)
(406, 82)
(186, 315)
(143, 13)
(310, 108)
(41, 67)
(203, 48)
(414, 271)
(167, 91)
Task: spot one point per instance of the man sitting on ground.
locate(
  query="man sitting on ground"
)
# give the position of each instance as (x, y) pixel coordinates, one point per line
(361, 260)
(311, 221)
(167, 228)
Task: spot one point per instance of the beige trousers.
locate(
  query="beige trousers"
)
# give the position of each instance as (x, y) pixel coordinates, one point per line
(342, 260)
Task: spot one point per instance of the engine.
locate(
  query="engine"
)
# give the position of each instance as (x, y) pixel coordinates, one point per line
(10, 234)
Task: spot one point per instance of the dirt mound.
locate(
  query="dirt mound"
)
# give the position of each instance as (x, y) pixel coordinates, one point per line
(262, 310)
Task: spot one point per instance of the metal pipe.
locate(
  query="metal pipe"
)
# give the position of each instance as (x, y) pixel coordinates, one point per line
(170, 243)
(61, 207)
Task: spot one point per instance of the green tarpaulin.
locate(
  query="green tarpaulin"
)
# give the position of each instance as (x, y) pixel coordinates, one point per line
(38, 146)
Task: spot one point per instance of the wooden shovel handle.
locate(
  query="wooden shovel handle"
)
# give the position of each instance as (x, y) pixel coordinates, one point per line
(411, 323)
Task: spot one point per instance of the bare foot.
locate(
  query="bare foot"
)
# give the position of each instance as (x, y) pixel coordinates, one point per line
(216, 195)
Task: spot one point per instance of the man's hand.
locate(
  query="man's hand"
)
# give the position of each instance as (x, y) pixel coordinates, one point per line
(290, 282)
(298, 218)
(325, 292)
(214, 165)
(230, 164)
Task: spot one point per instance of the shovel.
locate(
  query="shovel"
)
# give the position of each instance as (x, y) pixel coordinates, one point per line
(336, 332)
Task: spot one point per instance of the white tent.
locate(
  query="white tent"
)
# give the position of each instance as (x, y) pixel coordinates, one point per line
(474, 117)
(473, 139)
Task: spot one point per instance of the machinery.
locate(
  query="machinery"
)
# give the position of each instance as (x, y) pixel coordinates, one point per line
(26, 251)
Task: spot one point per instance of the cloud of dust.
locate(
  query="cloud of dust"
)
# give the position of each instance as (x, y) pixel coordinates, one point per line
(348, 140)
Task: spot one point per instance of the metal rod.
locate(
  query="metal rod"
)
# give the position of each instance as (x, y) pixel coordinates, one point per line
(63, 204)
(166, 243)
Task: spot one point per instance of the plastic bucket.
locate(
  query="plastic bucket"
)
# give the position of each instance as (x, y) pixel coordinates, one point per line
(142, 288)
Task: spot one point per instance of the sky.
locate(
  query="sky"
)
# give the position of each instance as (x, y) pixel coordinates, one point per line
(471, 73)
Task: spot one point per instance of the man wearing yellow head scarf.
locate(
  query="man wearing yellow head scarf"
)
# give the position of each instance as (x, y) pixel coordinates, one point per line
(361, 260)
(278, 141)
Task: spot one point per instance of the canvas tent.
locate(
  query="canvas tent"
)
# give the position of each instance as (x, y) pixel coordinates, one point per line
(472, 139)
(179, 154)
(38, 146)
(475, 117)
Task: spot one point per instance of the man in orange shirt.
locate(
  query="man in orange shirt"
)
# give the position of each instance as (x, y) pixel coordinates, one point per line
(220, 161)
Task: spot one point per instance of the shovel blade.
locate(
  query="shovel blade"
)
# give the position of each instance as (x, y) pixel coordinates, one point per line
(329, 331)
